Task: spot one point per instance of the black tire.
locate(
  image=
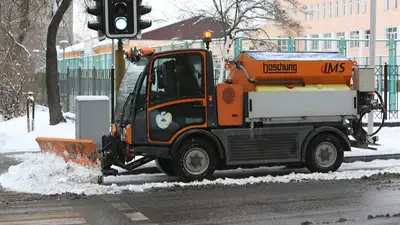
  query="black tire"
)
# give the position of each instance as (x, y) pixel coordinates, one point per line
(331, 145)
(165, 165)
(202, 149)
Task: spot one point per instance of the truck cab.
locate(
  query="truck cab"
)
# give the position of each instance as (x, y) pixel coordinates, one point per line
(173, 97)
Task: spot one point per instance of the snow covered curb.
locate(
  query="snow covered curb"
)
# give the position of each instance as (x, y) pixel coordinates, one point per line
(48, 174)
(70, 115)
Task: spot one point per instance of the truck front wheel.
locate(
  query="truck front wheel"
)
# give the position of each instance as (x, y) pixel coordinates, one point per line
(165, 165)
(324, 153)
(195, 160)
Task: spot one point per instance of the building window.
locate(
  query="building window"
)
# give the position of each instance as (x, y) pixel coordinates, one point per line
(350, 7)
(327, 44)
(394, 4)
(353, 36)
(336, 8)
(386, 4)
(311, 12)
(305, 13)
(344, 7)
(367, 37)
(357, 6)
(329, 9)
(364, 6)
(391, 33)
(340, 35)
(304, 44)
(323, 11)
(314, 43)
(317, 11)
(283, 45)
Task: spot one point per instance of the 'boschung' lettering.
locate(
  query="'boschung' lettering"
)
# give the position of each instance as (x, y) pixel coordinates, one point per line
(279, 68)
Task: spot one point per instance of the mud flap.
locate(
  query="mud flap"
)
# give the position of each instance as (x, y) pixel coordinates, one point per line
(81, 151)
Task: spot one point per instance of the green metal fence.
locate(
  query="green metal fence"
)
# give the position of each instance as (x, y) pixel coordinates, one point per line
(345, 47)
(353, 48)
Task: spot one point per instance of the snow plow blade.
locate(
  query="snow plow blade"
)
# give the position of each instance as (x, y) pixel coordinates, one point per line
(81, 151)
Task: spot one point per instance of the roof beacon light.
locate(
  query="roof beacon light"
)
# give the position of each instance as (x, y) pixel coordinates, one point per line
(207, 35)
(207, 39)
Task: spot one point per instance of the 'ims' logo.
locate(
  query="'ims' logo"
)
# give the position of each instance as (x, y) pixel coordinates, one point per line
(332, 68)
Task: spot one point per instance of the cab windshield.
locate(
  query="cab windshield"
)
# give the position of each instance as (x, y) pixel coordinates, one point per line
(128, 83)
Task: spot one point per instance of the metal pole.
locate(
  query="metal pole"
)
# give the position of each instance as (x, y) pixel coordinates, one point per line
(112, 95)
(113, 100)
(372, 47)
(112, 52)
(119, 66)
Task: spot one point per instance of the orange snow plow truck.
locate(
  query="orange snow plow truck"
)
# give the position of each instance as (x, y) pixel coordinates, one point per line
(271, 108)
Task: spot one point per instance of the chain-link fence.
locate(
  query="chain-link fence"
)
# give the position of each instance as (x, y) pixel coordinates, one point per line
(76, 82)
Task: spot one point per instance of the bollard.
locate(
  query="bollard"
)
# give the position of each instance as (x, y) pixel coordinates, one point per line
(30, 102)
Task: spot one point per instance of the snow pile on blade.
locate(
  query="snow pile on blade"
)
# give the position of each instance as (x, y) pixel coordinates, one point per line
(47, 173)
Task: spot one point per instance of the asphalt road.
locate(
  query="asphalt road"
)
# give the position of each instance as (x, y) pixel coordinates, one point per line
(366, 201)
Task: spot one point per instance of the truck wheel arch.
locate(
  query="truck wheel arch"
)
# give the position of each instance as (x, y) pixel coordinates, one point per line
(324, 129)
(197, 133)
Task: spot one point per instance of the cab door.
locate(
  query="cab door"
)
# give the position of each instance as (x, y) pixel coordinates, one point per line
(176, 95)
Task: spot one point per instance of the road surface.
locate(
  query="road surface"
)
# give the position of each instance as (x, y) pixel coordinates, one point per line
(365, 201)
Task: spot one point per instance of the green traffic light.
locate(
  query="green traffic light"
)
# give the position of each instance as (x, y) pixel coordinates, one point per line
(121, 23)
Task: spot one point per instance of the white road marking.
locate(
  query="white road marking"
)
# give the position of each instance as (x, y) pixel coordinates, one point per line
(136, 216)
(121, 206)
(35, 210)
(47, 222)
(47, 213)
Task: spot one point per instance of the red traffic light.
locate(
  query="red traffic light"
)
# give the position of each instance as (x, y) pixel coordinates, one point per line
(120, 8)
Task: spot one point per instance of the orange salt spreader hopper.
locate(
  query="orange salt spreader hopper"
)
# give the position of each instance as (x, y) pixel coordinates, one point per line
(268, 71)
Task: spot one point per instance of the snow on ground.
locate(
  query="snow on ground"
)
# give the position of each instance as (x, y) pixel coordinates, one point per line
(48, 174)
(14, 136)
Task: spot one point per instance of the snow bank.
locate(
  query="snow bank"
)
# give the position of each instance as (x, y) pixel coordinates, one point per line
(14, 136)
(48, 174)
(388, 139)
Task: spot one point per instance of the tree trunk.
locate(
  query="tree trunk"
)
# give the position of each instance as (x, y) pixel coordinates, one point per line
(52, 75)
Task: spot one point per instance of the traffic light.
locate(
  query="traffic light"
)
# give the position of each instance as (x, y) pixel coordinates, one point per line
(98, 25)
(143, 10)
(123, 18)
(120, 17)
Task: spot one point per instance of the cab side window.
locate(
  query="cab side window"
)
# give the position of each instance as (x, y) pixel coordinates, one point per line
(177, 76)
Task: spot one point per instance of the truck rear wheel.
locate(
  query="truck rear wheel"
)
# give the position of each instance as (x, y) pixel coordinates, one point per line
(165, 165)
(195, 160)
(324, 153)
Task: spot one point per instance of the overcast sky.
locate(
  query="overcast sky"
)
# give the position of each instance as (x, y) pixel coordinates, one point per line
(166, 9)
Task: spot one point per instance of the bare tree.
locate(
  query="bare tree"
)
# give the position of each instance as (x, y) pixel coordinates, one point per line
(52, 75)
(246, 19)
(19, 31)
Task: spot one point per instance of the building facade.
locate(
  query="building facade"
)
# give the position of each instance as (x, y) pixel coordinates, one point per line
(348, 19)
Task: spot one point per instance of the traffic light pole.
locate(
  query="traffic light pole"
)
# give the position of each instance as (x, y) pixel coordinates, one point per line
(119, 66)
